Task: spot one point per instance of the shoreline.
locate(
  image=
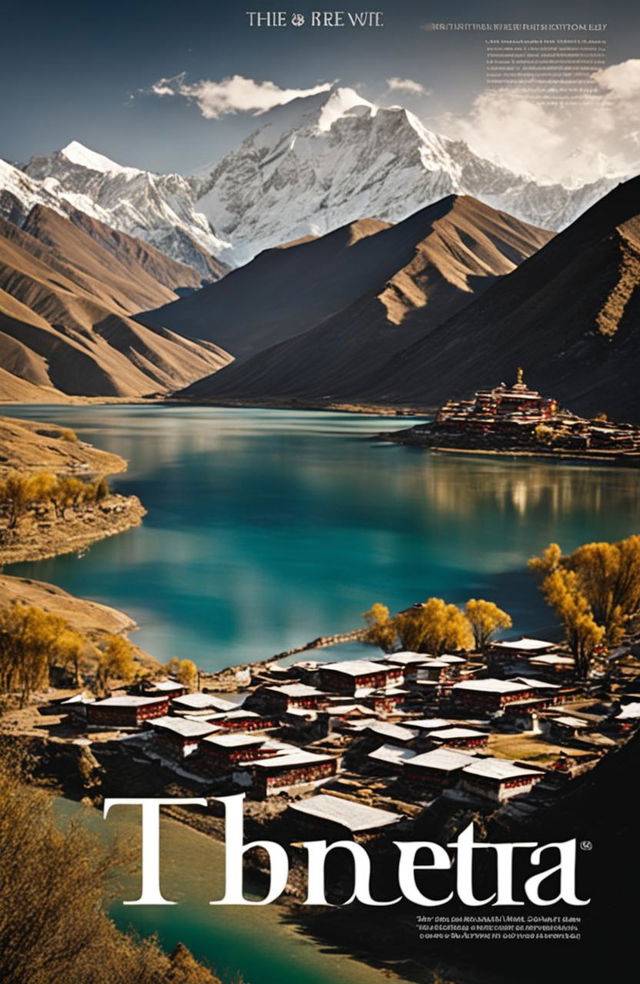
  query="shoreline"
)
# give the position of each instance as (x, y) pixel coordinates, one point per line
(611, 459)
(335, 406)
(42, 529)
(77, 534)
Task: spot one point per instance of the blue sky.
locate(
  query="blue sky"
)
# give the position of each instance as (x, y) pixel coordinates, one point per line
(73, 70)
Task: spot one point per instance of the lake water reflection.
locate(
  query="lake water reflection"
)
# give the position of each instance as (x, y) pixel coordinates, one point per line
(268, 528)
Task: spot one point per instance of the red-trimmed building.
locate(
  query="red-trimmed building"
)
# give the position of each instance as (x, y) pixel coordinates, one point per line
(498, 780)
(289, 770)
(246, 721)
(280, 699)
(180, 737)
(437, 770)
(162, 688)
(459, 737)
(128, 711)
(489, 696)
(358, 677)
(219, 752)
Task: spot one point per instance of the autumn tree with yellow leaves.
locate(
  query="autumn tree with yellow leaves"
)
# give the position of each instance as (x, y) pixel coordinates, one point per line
(32, 643)
(595, 590)
(381, 630)
(485, 619)
(19, 493)
(116, 661)
(183, 670)
(430, 627)
(56, 887)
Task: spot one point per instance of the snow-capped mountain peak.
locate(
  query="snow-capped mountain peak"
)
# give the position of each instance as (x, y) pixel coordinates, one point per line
(323, 161)
(19, 194)
(311, 165)
(77, 153)
(340, 102)
(158, 208)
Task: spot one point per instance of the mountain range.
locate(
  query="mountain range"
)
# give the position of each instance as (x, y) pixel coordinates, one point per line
(157, 208)
(312, 166)
(378, 262)
(569, 314)
(321, 162)
(364, 293)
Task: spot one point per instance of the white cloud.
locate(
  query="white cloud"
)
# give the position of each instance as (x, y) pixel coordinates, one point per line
(234, 94)
(407, 85)
(622, 80)
(572, 144)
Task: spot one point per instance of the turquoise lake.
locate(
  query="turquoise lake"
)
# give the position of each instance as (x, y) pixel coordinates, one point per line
(268, 528)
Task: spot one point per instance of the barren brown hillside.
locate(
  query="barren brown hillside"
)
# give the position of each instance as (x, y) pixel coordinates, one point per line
(427, 268)
(66, 306)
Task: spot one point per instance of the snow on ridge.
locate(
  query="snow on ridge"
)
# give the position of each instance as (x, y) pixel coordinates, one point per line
(340, 102)
(77, 153)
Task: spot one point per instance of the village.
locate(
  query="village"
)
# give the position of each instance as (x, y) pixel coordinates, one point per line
(361, 747)
(518, 419)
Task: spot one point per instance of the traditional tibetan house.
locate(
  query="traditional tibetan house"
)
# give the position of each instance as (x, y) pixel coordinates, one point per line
(513, 655)
(459, 737)
(409, 662)
(439, 769)
(386, 701)
(220, 752)
(393, 733)
(290, 770)
(246, 721)
(76, 707)
(180, 737)
(545, 693)
(553, 663)
(488, 696)
(390, 758)
(163, 688)
(561, 727)
(522, 647)
(459, 666)
(128, 711)
(201, 704)
(359, 677)
(335, 816)
(498, 780)
(279, 699)
(433, 671)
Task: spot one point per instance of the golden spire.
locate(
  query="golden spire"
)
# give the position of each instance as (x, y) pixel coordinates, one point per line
(520, 380)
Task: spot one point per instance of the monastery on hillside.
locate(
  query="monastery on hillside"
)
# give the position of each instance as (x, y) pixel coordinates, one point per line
(516, 418)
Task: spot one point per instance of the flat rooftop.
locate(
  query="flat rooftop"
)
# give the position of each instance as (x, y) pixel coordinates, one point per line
(490, 686)
(391, 754)
(407, 658)
(128, 700)
(357, 667)
(499, 769)
(442, 759)
(450, 734)
(184, 727)
(235, 741)
(166, 686)
(202, 702)
(292, 759)
(552, 658)
(524, 645)
(296, 690)
(354, 816)
(392, 731)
